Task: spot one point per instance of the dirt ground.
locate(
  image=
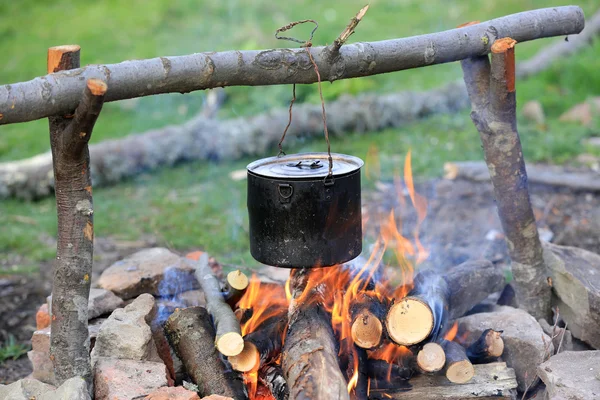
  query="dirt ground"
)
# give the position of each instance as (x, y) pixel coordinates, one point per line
(461, 224)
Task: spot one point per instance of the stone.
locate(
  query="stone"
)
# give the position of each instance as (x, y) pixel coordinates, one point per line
(533, 111)
(156, 271)
(525, 344)
(72, 389)
(582, 113)
(42, 317)
(40, 341)
(126, 334)
(127, 379)
(172, 393)
(43, 368)
(561, 337)
(24, 389)
(102, 302)
(575, 277)
(572, 375)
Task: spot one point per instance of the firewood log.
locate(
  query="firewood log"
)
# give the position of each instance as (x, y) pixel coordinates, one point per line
(353, 360)
(272, 377)
(422, 314)
(367, 311)
(487, 348)
(192, 336)
(309, 356)
(382, 370)
(458, 368)
(235, 286)
(261, 346)
(431, 358)
(229, 339)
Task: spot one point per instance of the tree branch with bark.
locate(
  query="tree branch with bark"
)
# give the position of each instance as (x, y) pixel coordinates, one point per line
(58, 93)
(69, 137)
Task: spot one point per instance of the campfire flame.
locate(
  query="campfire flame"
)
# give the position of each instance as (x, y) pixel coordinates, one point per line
(451, 334)
(335, 288)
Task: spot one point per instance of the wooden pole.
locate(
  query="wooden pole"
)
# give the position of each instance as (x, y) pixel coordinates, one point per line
(58, 93)
(491, 88)
(69, 137)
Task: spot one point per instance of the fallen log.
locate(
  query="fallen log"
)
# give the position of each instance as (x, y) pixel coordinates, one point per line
(431, 358)
(309, 357)
(59, 93)
(235, 286)
(492, 381)
(366, 312)
(272, 377)
(487, 348)
(458, 368)
(582, 179)
(192, 335)
(228, 338)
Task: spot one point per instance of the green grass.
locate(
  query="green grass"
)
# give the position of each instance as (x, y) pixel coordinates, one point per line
(11, 350)
(197, 205)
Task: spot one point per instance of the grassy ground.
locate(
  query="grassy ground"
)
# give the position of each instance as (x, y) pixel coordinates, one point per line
(198, 205)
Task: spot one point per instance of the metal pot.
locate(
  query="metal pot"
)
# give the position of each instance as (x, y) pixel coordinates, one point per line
(302, 217)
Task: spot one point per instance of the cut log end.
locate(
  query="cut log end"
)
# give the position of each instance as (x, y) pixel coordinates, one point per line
(409, 321)
(238, 280)
(460, 372)
(431, 358)
(97, 86)
(367, 330)
(230, 344)
(503, 44)
(495, 343)
(468, 24)
(247, 360)
(56, 53)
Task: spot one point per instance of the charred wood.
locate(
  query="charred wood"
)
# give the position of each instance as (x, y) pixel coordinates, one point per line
(272, 377)
(353, 363)
(192, 335)
(381, 370)
(228, 339)
(487, 348)
(235, 286)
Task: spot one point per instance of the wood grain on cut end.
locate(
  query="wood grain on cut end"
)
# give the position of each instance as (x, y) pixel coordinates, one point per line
(460, 372)
(56, 54)
(230, 344)
(366, 330)
(97, 86)
(495, 343)
(247, 360)
(468, 24)
(431, 358)
(237, 280)
(409, 321)
(503, 44)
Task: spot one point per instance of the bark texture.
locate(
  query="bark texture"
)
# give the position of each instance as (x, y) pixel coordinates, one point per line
(203, 138)
(492, 92)
(309, 357)
(58, 93)
(69, 136)
(192, 335)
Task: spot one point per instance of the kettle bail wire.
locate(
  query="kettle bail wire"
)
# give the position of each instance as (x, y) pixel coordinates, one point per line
(307, 45)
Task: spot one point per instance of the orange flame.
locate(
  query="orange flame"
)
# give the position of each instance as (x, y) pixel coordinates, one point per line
(451, 334)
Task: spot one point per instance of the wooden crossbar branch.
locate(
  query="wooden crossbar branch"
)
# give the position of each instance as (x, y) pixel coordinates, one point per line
(69, 137)
(59, 93)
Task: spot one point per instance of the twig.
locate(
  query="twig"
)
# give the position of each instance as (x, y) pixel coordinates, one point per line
(334, 48)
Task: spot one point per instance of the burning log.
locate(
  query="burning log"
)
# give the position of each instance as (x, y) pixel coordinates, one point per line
(309, 356)
(235, 286)
(367, 312)
(353, 363)
(272, 377)
(192, 335)
(487, 348)
(421, 314)
(431, 358)
(458, 368)
(261, 346)
(382, 370)
(229, 339)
